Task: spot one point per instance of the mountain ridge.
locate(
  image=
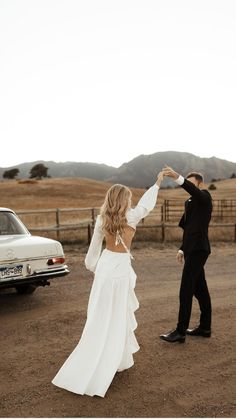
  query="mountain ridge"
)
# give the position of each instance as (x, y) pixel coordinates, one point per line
(138, 172)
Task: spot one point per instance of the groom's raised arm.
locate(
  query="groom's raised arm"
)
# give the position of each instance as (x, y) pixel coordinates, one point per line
(201, 195)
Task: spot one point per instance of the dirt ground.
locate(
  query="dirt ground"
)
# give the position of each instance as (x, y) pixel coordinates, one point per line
(195, 379)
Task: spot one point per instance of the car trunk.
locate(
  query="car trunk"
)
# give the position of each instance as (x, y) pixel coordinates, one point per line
(27, 246)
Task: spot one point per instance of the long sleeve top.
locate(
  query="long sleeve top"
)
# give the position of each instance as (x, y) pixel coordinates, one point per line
(133, 216)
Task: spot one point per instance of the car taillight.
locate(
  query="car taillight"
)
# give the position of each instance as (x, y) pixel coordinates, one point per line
(54, 261)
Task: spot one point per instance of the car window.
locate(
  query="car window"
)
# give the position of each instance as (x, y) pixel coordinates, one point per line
(10, 224)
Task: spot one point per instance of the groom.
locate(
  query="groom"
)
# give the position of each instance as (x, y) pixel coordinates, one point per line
(194, 251)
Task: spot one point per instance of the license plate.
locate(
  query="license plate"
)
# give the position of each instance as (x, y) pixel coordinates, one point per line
(11, 271)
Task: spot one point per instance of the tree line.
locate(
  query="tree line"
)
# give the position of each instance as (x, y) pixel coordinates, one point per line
(36, 172)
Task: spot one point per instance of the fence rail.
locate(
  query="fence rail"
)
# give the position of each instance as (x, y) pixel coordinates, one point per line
(79, 222)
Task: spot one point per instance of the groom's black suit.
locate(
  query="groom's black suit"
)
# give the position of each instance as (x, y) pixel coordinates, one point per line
(196, 248)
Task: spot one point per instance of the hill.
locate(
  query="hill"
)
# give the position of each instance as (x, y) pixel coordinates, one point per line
(139, 172)
(67, 169)
(55, 193)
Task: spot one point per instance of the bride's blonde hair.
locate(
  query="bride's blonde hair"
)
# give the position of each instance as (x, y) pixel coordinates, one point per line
(113, 210)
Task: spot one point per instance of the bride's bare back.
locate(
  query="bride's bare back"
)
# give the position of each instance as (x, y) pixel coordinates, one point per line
(127, 236)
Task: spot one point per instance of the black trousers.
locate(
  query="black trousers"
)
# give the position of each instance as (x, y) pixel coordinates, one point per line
(193, 283)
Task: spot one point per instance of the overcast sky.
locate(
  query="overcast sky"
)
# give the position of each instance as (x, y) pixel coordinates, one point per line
(107, 80)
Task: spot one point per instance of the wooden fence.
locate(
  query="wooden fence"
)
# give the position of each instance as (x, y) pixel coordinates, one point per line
(76, 224)
(224, 210)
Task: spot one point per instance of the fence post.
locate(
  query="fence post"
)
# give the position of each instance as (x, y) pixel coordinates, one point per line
(93, 217)
(163, 232)
(58, 223)
(221, 210)
(165, 210)
(162, 213)
(89, 233)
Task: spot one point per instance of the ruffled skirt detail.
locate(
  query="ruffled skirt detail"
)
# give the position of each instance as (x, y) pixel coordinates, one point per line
(108, 341)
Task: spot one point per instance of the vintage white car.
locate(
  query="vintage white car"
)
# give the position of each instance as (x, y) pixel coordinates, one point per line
(27, 261)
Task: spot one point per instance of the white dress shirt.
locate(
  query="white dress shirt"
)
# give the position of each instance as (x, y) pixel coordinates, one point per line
(180, 180)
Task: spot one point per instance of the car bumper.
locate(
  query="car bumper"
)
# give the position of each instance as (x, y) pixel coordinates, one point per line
(39, 277)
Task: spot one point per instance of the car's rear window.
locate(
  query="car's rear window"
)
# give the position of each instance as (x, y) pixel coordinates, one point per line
(10, 224)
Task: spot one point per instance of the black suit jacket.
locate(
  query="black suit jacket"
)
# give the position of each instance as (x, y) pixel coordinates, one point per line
(196, 219)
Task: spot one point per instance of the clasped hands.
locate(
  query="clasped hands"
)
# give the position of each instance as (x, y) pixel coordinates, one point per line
(167, 171)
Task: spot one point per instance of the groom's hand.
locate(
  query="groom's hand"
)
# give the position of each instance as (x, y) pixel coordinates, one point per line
(168, 171)
(180, 256)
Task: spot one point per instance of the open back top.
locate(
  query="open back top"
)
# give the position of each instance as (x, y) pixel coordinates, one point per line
(133, 216)
(127, 237)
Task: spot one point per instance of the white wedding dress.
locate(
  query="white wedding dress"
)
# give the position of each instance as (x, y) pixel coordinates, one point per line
(108, 342)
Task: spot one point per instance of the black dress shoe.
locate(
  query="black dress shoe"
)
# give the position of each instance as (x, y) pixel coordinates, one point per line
(198, 331)
(173, 336)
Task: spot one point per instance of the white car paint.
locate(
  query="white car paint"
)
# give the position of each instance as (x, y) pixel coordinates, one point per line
(23, 257)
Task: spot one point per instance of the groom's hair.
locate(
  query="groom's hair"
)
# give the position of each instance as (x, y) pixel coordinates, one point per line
(198, 176)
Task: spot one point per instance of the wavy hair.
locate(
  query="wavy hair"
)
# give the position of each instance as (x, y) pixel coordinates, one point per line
(113, 210)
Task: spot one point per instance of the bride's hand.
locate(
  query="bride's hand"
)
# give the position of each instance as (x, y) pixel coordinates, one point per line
(159, 178)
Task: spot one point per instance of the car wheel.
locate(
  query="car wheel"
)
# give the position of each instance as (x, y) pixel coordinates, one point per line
(26, 288)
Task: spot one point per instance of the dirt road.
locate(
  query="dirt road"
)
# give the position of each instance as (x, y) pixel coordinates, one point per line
(195, 379)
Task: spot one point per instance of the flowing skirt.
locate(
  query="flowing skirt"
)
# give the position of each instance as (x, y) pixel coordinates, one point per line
(108, 342)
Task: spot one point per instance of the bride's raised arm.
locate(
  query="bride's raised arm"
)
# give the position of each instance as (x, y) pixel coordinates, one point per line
(145, 204)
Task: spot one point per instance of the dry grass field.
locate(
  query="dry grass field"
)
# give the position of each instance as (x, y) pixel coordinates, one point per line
(52, 193)
(69, 193)
(83, 193)
(56, 193)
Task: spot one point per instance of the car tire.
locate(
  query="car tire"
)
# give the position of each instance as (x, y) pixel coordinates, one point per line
(26, 288)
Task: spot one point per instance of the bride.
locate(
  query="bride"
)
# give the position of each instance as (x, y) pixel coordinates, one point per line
(108, 342)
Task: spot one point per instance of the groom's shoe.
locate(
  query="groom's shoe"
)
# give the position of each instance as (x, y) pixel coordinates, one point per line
(198, 331)
(173, 336)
